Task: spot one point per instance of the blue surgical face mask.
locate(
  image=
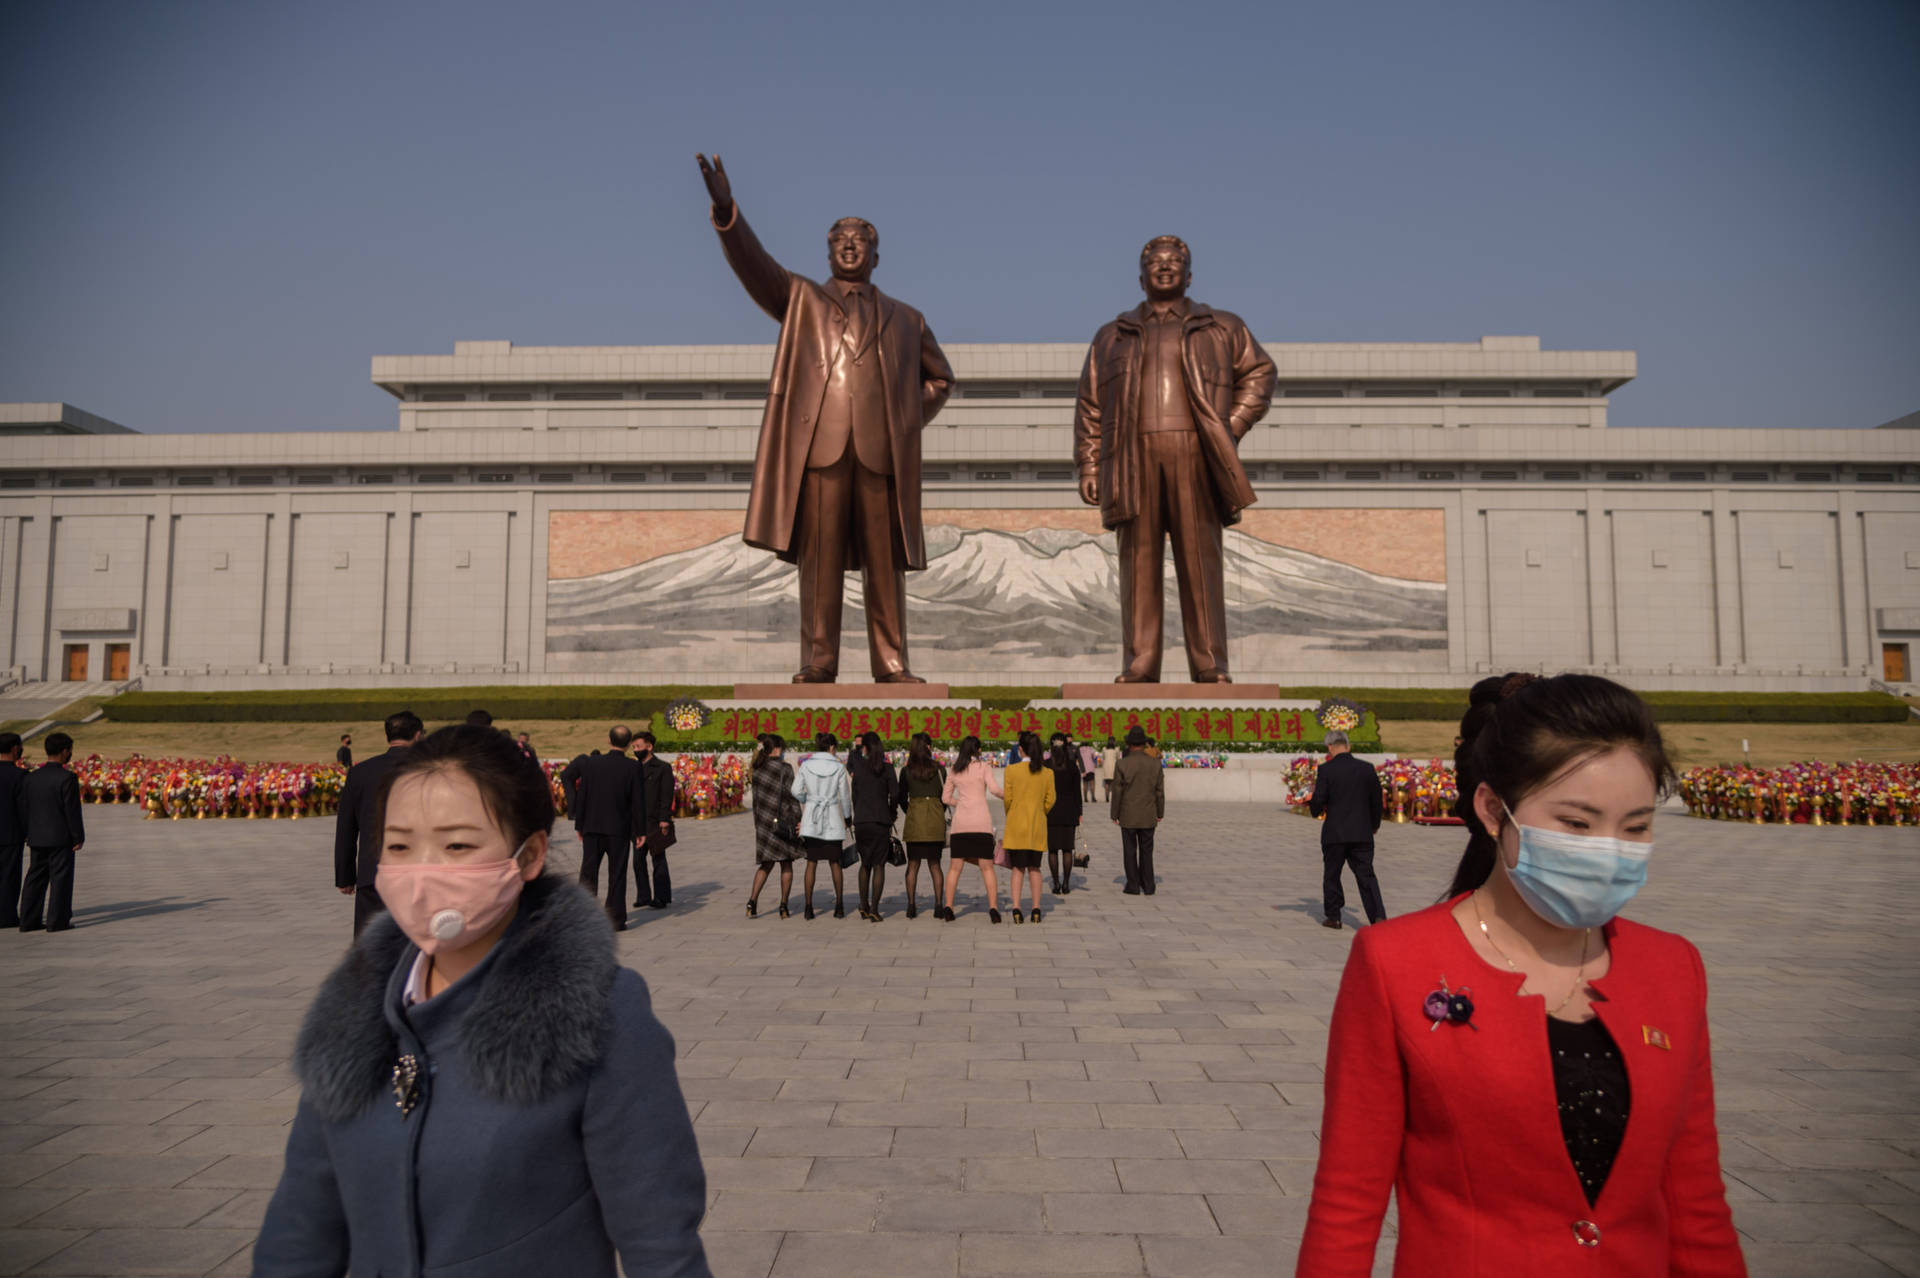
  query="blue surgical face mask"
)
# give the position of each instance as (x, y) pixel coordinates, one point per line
(1576, 880)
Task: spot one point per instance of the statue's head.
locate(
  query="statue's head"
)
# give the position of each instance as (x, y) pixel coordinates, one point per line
(1166, 268)
(853, 249)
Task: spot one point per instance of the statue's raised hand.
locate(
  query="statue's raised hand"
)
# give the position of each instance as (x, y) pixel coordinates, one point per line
(719, 189)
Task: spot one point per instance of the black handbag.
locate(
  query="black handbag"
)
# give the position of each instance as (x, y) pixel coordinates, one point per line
(786, 832)
(896, 851)
(849, 857)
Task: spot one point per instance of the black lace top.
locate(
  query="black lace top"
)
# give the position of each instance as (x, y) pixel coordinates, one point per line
(1590, 1083)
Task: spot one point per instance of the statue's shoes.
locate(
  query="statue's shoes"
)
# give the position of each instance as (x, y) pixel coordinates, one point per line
(1213, 676)
(1134, 678)
(814, 674)
(900, 677)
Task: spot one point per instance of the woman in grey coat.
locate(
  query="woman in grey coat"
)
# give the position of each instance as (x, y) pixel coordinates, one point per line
(485, 1090)
(773, 807)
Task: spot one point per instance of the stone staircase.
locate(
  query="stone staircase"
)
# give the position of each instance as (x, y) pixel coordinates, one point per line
(34, 701)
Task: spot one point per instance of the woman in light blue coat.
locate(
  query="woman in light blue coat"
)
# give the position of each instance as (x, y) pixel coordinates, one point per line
(825, 792)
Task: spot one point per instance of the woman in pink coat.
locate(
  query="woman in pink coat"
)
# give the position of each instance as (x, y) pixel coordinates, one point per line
(970, 837)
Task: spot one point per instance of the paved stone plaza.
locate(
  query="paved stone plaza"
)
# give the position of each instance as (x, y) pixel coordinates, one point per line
(1131, 1087)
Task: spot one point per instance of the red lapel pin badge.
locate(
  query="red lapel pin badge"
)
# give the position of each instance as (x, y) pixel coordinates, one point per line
(1656, 1038)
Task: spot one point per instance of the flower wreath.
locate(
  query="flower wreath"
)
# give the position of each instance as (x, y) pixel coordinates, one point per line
(1337, 714)
(687, 715)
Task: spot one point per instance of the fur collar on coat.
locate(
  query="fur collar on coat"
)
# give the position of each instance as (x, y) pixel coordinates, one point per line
(537, 1022)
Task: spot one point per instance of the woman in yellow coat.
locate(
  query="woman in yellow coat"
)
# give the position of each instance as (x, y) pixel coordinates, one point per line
(1030, 794)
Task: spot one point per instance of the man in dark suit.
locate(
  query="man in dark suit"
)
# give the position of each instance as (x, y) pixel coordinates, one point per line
(13, 827)
(50, 806)
(344, 755)
(1347, 791)
(836, 476)
(611, 810)
(657, 834)
(356, 828)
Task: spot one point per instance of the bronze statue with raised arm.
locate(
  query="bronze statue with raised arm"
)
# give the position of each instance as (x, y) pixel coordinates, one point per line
(1168, 391)
(836, 478)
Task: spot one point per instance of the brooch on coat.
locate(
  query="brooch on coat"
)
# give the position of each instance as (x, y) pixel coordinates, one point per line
(406, 1084)
(1445, 1006)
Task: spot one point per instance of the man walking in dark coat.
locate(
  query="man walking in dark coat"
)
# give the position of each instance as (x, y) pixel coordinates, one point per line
(344, 755)
(611, 810)
(1138, 803)
(356, 827)
(13, 827)
(1347, 791)
(652, 839)
(50, 805)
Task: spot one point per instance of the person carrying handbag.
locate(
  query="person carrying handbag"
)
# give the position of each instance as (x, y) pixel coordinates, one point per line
(873, 786)
(971, 835)
(825, 792)
(917, 793)
(776, 821)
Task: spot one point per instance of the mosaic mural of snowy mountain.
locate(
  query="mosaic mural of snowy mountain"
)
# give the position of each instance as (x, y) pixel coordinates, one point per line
(1044, 599)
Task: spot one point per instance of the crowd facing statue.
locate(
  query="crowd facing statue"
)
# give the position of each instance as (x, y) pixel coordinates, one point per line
(1169, 390)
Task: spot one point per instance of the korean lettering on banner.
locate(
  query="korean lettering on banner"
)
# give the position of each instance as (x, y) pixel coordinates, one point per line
(1223, 726)
(845, 730)
(1153, 724)
(1083, 726)
(930, 722)
(1249, 729)
(1294, 728)
(993, 726)
(1103, 723)
(1133, 718)
(953, 726)
(1202, 726)
(1176, 725)
(972, 720)
(730, 727)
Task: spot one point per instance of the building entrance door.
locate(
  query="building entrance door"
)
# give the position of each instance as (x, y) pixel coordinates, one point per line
(119, 660)
(1893, 662)
(76, 663)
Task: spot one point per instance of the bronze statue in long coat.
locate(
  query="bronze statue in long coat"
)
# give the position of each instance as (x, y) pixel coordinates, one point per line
(1168, 391)
(857, 375)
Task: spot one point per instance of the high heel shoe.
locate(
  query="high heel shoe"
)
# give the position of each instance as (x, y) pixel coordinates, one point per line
(1036, 916)
(944, 913)
(1017, 917)
(839, 910)
(783, 910)
(808, 912)
(911, 912)
(753, 907)
(993, 916)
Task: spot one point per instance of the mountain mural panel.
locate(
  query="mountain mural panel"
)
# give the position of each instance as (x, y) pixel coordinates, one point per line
(1016, 592)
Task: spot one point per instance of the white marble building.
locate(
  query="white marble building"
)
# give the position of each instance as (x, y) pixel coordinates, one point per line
(1427, 512)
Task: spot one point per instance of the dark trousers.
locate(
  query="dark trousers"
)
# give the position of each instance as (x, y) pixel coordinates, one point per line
(1136, 857)
(594, 848)
(1360, 857)
(10, 854)
(367, 906)
(661, 890)
(49, 883)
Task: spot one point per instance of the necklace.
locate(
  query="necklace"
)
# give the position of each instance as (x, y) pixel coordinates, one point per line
(1586, 939)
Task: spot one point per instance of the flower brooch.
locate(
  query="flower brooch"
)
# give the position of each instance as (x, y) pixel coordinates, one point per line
(1446, 1005)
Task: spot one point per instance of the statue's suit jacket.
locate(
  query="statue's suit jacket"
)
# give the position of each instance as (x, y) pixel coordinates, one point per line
(1229, 385)
(915, 381)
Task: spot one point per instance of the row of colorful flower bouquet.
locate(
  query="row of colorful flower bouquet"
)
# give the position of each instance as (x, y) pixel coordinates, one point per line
(1806, 793)
(705, 786)
(1410, 790)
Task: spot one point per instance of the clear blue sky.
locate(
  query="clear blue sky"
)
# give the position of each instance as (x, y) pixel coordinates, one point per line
(216, 213)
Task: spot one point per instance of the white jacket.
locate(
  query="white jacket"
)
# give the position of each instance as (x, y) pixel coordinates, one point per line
(825, 790)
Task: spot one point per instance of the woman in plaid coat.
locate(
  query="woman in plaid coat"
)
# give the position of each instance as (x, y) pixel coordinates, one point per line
(773, 802)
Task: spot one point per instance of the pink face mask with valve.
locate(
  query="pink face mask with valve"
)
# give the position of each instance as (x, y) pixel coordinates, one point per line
(443, 907)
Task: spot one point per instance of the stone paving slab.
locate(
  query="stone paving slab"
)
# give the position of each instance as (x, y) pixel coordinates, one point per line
(1130, 1087)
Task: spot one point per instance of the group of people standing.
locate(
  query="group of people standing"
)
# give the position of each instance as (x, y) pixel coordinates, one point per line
(39, 816)
(808, 809)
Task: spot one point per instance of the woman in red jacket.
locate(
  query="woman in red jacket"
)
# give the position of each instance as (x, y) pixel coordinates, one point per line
(1529, 1072)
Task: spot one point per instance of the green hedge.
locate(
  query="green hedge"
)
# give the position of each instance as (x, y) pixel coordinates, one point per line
(611, 701)
(361, 705)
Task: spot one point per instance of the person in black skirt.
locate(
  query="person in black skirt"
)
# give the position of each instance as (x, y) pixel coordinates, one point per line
(873, 785)
(826, 797)
(917, 793)
(1063, 818)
